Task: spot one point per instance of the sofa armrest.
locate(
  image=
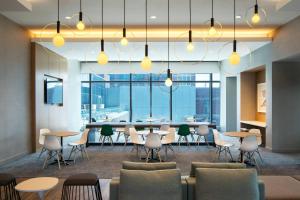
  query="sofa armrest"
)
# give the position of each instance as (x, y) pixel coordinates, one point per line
(191, 184)
(261, 188)
(114, 189)
(184, 189)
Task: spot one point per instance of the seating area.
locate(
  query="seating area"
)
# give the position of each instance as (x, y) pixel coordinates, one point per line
(149, 100)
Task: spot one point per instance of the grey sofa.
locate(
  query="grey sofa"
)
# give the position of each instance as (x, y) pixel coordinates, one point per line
(138, 178)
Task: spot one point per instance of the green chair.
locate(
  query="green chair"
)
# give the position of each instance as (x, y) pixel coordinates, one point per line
(106, 133)
(183, 132)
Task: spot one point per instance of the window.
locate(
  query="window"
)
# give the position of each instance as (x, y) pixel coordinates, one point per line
(140, 101)
(160, 102)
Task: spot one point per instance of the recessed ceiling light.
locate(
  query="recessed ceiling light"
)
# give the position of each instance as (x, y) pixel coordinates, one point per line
(153, 17)
(68, 17)
(238, 17)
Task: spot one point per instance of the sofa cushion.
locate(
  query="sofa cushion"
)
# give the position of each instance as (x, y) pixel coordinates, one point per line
(148, 166)
(281, 187)
(215, 165)
(297, 177)
(226, 184)
(149, 185)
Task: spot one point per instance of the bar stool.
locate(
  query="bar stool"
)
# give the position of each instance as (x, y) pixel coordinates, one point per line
(82, 186)
(7, 187)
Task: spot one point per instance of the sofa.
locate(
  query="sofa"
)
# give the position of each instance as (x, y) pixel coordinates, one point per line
(163, 181)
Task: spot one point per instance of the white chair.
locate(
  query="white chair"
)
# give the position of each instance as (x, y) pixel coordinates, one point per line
(257, 133)
(164, 127)
(168, 140)
(153, 143)
(202, 131)
(80, 146)
(222, 146)
(249, 147)
(42, 139)
(127, 133)
(53, 146)
(136, 141)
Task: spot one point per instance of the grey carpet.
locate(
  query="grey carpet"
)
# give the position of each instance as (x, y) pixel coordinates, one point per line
(106, 162)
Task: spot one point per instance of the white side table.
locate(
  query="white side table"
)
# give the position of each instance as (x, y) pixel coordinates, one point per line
(39, 185)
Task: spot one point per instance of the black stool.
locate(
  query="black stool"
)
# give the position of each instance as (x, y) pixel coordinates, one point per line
(7, 187)
(82, 186)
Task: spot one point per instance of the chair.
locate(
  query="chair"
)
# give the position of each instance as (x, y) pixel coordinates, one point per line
(136, 141)
(183, 132)
(126, 133)
(249, 147)
(53, 146)
(222, 146)
(120, 130)
(79, 146)
(257, 133)
(139, 128)
(106, 133)
(153, 143)
(164, 127)
(42, 139)
(168, 140)
(202, 131)
(7, 187)
(82, 186)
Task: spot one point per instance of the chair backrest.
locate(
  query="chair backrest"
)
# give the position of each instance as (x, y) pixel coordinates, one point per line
(217, 137)
(153, 141)
(84, 136)
(170, 137)
(42, 136)
(127, 127)
(203, 130)
(184, 130)
(133, 135)
(257, 133)
(52, 143)
(249, 143)
(164, 127)
(106, 130)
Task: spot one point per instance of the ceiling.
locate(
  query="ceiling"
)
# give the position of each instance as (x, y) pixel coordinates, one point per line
(213, 51)
(42, 12)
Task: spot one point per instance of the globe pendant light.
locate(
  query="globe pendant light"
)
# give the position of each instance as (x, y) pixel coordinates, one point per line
(80, 25)
(58, 40)
(168, 81)
(255, 18)
(124, 41)
(234, 58)
(190, 45)
(212, 30)
(146, 62)
(102, 57)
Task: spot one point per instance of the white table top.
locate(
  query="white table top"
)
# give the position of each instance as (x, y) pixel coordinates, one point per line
(62, 133)
(37, 184)
(146, 132)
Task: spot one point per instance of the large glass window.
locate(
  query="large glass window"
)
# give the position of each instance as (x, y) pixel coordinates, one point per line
(160, 102)
(140, 101)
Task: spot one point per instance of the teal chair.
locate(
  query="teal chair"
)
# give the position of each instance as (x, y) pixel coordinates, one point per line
(106, 133)
(183, 132)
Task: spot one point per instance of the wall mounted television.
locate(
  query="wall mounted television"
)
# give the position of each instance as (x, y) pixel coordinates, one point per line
(53, 90)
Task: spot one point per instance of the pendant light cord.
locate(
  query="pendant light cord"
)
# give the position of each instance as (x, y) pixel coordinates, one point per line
(80, 6)
(168, 34)
(190, 8)
(57, 10)
(212, 8)
(102, 18)
(124, 14)
(146, 22)
(234, 19)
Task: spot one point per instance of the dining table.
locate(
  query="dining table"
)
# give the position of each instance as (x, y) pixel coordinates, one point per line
(241, 135)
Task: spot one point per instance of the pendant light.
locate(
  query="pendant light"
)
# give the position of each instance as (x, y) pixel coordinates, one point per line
(255, 18)
(102, 57)
(190, 45)
(80, 25)
(234, 58)
(212, 30)
(168, 81)
(58, 40)
(124, 41)
(146, 62)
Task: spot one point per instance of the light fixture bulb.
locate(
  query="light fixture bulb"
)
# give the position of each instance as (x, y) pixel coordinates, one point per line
(255, 18)
(168, 82)
(190, 46)
(212, 31)
(58, 40)
(146, 63)
(234, 58)
(102, 58)
(124, 41)
(80, 25)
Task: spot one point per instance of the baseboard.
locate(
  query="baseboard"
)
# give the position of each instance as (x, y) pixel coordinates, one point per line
(17, 156)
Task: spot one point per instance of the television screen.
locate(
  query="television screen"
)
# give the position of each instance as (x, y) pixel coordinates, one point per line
(53, 90)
